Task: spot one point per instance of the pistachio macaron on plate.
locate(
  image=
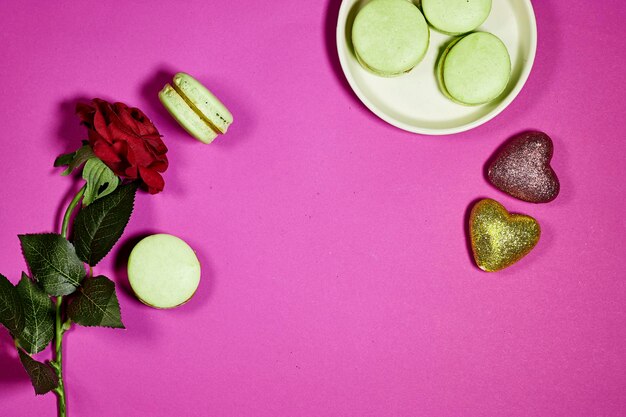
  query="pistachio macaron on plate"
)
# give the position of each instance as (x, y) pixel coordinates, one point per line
(456, 17)
(474, 69)
(414, 100)
(390, 37)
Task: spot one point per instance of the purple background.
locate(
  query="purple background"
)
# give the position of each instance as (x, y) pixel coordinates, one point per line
(336, 274)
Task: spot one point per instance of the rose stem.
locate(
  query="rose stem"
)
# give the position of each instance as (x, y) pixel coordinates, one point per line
(59, 326)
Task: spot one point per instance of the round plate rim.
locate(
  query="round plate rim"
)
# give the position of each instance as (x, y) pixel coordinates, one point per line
(343, 53)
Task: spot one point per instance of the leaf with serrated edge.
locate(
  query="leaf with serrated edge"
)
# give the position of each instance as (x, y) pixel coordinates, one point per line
(11, 310)
(53, 262)
(96, 304)
(98, 175)
(97, 227)
(39, 314)
(42, 376)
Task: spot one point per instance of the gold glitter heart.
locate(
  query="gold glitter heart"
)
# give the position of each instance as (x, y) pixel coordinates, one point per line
(499, 239)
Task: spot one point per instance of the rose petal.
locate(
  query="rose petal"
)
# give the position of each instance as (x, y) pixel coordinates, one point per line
(126, 121)
(145, 126)
(100, 126)
(86, 114)
(159, 166)
(131, 172)
(153, 180)
(105, 152)
(94, 137)
(120, 131)
(156, 144)
(126, 141)
(142, 157)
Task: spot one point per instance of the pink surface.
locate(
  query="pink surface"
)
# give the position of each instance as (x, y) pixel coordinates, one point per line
(336, 276)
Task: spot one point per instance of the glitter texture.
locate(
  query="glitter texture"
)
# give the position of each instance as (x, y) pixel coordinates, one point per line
(522, 168)
(500, 239)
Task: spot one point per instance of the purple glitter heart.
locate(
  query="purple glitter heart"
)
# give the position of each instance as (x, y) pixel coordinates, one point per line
(521, 168)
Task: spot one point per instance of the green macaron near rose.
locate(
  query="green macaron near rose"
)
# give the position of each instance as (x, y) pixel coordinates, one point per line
(163, 271)
(195, 108)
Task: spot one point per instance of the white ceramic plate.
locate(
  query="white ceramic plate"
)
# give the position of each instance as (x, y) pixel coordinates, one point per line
(413, 101)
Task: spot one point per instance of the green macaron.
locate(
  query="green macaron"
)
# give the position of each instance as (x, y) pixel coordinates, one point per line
(456, 17)
(474, 69)
(195, 108)
(390, 37)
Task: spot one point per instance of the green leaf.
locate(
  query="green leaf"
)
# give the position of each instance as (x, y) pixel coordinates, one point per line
(42, 376)
(11, 310)
(101, 181)
(97, 227)
(65, 159)
(52, 260)
(39, 314)
(75, 159)
(96, 304)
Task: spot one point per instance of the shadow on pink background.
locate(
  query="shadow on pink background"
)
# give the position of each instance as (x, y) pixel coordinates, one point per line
(336, 274)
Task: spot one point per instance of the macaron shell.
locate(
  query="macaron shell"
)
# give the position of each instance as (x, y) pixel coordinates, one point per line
(390, 37)
(456, 17)
(374, 71)
(210, 107)
(171, 264)
(439, 69)
(185, 116)
(476, 69)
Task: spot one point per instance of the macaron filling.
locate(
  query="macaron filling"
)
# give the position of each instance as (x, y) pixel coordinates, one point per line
(196, 109)
(188, 119)
(203, 102)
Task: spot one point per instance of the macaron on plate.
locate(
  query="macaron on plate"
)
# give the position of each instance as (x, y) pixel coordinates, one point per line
(414, 100)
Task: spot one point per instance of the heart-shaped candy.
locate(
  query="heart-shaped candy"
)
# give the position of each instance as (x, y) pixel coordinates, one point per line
(521, 168)
(499, 239)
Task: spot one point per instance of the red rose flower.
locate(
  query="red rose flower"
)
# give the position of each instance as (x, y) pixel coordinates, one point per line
(126, 141)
